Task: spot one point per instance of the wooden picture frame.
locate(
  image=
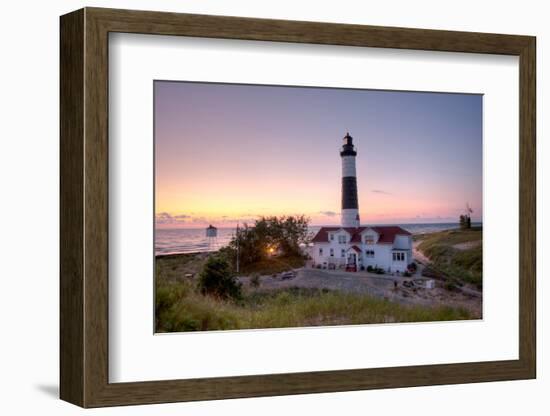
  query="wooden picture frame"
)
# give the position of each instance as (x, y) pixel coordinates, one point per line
(84, 207)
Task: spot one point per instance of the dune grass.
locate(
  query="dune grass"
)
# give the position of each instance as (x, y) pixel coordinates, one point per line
(179, 307)
(459, 264)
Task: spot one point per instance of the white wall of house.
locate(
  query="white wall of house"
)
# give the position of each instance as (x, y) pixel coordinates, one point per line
(319, 252)
(403, 241)
(374, 254)
(328, 253)
(339, 242)
(381, 258)
(332, 250)
(399, 260)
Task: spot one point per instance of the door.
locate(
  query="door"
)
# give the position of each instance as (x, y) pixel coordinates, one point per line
(351, 265)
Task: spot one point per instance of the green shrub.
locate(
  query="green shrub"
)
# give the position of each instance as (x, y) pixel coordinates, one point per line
(217, 280)
(167, 295)
(432, 272)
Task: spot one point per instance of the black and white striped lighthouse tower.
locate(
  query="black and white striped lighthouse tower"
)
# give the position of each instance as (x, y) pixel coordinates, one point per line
(350, 205)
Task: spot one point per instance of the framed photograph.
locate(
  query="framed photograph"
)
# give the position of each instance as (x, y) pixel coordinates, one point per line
(255, 207)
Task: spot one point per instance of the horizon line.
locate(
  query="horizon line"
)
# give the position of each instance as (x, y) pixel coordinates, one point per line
(327, 225)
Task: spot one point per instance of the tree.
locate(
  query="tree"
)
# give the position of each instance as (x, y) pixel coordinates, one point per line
(216, 279)
(289, 233)
(465, 219)
(465, 222)
(283, 235)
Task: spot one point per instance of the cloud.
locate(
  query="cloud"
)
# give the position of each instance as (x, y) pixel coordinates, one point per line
(163, 218)
(192, 219)
(328, 213)
(380, 191)
(199, 220)
(166, 218)
(240, 220)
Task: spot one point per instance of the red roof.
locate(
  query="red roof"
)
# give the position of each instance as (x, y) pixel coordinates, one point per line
(386, 233)
(357, 249)
(322, 234)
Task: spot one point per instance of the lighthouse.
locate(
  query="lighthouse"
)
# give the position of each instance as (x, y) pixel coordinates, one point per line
(357, 247)
(350, 204)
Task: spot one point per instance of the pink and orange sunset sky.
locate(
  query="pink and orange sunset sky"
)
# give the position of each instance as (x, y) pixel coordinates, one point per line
(228, 153)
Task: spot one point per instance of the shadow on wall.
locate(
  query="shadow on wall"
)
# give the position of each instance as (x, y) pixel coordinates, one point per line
(49, 390)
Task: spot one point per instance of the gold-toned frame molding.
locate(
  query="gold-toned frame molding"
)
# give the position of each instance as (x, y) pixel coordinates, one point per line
(84, 207)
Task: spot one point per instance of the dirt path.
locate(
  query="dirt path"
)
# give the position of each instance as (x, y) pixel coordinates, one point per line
(467, 245)
(418, 255)
(422, 261)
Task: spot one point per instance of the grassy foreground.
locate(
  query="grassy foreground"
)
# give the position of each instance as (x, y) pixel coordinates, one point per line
(181, 307)
(457, 254)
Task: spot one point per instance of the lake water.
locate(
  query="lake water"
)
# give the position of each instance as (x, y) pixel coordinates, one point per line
(186, 240)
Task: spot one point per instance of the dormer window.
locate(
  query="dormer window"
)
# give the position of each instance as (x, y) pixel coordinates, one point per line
(342, 239)
(369, 239)
(331, 237)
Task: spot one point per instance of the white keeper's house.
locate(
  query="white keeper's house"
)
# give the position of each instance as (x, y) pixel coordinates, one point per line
(354, 246)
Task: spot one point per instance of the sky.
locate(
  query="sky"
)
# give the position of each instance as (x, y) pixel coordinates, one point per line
(228, 153)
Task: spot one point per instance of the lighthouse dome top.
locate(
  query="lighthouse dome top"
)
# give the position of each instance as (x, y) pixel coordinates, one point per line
(348, 149)
(348, 139)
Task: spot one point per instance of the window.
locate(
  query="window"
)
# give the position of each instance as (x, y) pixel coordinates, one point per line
(369, 253)
(342, 239)
(398, 256)
(369, 239)
(331, 237)
(320, 251)
(343, 253)
(331, 252)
